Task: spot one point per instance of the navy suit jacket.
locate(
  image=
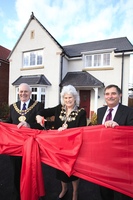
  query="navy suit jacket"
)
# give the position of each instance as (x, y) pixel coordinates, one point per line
(123, 116)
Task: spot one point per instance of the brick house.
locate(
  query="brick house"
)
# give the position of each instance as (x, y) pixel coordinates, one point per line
(4, 74)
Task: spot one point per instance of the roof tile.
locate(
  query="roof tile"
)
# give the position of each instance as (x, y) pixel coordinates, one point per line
(81, 79)
(4, 53)
(32, 80)
(119, 44)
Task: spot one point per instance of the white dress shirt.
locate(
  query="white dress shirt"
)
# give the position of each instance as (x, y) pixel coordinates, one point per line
(113, 113)
(27, 104)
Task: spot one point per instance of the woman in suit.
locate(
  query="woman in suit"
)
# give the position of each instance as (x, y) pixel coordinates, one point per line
(67, 115)
(120, 115)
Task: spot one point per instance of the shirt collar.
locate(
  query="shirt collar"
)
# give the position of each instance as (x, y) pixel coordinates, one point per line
(27, 104)
(114, 108)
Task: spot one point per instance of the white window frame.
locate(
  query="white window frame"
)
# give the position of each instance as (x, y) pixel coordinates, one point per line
(106, 59)
(33, 58)
(97, 60)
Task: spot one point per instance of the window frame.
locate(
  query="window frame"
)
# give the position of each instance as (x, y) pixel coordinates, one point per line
(32, 58)
(97, 60)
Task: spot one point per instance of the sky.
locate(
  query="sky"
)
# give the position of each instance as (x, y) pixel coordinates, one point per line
(68, 21)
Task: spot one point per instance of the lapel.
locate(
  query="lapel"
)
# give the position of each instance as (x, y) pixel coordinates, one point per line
(18, 104)
(119, 113)
(101, 114)
(30, 103)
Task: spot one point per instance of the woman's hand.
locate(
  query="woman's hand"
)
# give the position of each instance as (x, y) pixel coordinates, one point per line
(61, 129)
(40, 120)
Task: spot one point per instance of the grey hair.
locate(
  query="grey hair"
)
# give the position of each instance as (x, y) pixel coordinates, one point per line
(69, 89)
(25, 84)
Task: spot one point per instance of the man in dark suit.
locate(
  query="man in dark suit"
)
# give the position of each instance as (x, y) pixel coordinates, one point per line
(114, 114)
(22, 113)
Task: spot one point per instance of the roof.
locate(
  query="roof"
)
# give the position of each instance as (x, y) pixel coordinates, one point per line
(4, 53)
(32, 80)
(119, 44)
(32, 17)
(81, 79)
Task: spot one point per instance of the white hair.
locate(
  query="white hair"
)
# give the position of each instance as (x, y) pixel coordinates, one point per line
(25, 84)
(69, 89)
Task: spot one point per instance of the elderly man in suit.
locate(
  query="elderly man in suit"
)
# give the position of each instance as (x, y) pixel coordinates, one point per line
(114, 114)
(22, 113)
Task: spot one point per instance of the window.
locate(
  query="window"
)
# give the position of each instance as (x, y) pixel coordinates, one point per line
(106, 59)
(32, 34)
(33, 58)
(97, 60)
(34, 94)
(43, 96)
(88, 61)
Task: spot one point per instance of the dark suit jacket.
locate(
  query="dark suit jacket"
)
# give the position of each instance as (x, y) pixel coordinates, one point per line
(30, 116)
(79, 121)
(123, 116)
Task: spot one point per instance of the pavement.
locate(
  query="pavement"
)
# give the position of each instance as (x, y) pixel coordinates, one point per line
(87, 190)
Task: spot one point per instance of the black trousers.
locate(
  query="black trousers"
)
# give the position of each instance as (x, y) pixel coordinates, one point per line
(108, 194)
(16, 162)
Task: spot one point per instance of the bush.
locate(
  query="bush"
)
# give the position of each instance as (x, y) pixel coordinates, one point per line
(4, 111)
(93, 121)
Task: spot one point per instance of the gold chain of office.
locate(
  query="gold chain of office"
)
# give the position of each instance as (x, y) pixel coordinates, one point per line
(24, 112)
(71, 117)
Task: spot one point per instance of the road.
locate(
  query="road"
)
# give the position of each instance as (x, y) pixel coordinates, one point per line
(87, 190)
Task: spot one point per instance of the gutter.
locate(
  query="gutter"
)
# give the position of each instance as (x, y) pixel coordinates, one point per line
(122, 70)
(61, 69)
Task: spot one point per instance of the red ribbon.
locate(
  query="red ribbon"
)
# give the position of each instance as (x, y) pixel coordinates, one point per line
(95, 153)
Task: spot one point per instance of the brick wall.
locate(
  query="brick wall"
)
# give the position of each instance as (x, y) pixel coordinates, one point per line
(4, 81)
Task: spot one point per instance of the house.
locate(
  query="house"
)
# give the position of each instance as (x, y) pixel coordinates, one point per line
(4, 74)
(39, 60)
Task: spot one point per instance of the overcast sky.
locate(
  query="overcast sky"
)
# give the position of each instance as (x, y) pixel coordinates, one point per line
(69, 21)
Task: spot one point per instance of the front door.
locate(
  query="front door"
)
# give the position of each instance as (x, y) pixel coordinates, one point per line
(85, 101)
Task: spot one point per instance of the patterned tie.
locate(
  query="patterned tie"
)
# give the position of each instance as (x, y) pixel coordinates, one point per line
(24, 106)
(109, 116)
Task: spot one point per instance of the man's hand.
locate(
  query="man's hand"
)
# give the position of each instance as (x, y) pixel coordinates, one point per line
(25, 124)
(110, 123)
